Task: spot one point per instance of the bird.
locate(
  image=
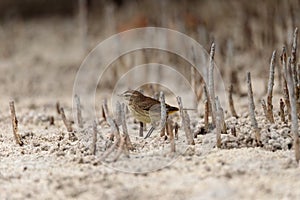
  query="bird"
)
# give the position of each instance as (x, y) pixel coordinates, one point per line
(145, 108)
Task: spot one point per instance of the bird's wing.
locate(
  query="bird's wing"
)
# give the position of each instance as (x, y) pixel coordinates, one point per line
(148, 103)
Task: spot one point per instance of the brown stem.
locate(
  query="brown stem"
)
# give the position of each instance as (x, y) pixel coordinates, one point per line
(67, 123)
(211, 85)
(282, 117)
(14, 122)
(252, 109)
(270, 89)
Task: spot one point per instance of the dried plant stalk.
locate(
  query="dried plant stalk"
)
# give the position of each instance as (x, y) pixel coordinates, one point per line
(163, 114)
(171, 135)
(193, 84)
(252, 109)
(270, 89)
(298, 74)
(121, 148)
(293, 110)
(207, 109)
(105, 109)
(14, 122)
(124, 127)
(285, 87)
(218, 130)
(163, 110)
(116, 134)
(265, 109)
(231, 103)
(294, 68)
(220, 113)
(67, 123)
(94, 142)
(282, 117)
(185, 122)
(219, 123)
(187, 128)
(294, 47)
(211, 84)
(78, 109)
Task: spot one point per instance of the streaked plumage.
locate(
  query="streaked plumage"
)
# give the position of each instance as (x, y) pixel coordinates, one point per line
(144, 108)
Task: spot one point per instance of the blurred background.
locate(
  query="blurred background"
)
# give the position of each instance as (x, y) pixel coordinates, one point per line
(42, 43)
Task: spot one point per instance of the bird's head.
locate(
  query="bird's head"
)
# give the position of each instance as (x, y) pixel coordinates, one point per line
(130, 94)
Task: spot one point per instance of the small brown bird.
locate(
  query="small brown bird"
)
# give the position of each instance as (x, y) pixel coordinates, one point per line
(145, 109)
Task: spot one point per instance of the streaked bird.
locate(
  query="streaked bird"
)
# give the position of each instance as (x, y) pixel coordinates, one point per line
(145, 109)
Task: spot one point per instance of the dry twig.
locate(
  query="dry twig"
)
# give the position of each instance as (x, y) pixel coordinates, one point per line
(207, 109)
(293, 110)
(121, 149)
(163, 114)
(294, 47)
(78, 108)
(270, 116)
(94, 143)
(211, 84)
(14, 122)
(67, 123)
(220, 112)
(124, 127)
(116, 135)
(185, 122)
(252, 109)
(265, 109)
(285, 88)
(282, 117)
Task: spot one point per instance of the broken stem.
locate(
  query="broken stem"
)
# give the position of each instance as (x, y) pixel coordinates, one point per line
(282, 117)
(67, 123)
(94, 143)
(293, 110)
(14, 122)
(78, 108)
(185, 122)
(211, 85)
(252, 109)
(270, 89)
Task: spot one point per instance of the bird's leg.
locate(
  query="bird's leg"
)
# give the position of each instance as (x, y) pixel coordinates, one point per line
(141, 133)
(162, 132)
(149, 132)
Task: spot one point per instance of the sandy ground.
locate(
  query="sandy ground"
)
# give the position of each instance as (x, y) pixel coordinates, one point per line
(53, 165)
